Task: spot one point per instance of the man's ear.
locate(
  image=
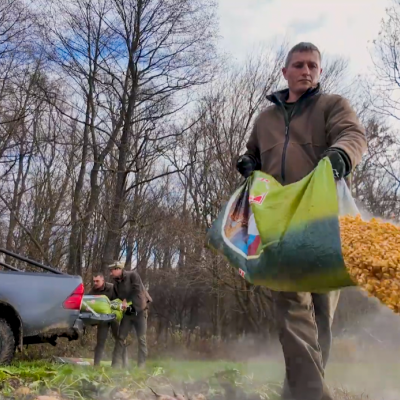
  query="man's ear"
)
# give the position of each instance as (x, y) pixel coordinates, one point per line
(284, 72)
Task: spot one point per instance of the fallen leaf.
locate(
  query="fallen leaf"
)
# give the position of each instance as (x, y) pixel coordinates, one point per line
(22, 391)
(162, 396)
(199, 397)
(141, 394)
(52, 393)
(179, 396)
(121, 395)
(47, 398)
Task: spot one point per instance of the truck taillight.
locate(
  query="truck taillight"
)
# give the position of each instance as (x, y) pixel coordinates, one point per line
(74, 301)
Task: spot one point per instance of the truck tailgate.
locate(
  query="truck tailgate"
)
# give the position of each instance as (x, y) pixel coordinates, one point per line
(38, 298)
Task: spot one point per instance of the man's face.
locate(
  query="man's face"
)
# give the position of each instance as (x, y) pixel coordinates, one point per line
(303, 72)
(115, 272)
(98, 282)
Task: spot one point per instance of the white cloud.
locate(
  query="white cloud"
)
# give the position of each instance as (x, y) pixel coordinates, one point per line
(338, 27)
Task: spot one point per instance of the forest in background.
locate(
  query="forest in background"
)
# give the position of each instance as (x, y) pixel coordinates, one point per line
(120, 125)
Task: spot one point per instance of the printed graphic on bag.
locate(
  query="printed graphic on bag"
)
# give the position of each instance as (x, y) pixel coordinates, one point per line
(98, 303)
(240, 231)
(102, 305)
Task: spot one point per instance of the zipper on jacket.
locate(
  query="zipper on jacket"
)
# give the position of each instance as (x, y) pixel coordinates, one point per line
(283, 172)
(287, 137)
(277, 101)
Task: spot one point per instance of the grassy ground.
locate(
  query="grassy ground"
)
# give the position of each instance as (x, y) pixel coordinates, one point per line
(380, 380)
(259, 379)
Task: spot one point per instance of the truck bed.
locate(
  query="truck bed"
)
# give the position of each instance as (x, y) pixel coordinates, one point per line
(38, 300)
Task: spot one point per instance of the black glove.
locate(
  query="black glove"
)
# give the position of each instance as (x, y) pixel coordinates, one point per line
(246, 164)
(341, 164)
(130, 310)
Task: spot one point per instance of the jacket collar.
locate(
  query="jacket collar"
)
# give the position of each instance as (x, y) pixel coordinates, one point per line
(121, 278)
(281, 96)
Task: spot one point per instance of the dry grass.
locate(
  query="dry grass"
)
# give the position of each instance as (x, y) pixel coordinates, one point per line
(29, 381)
(342, 394)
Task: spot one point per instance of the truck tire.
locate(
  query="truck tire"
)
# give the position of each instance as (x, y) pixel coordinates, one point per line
(7, 343)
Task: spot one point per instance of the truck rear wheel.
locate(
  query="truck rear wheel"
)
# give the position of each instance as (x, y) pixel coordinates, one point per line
(7, 342)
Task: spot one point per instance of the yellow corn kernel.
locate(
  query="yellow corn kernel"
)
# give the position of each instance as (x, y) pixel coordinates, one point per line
(371, 252)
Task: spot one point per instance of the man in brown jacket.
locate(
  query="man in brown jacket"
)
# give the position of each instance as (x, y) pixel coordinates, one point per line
(288, 140)
(101, 287)
(128, 287)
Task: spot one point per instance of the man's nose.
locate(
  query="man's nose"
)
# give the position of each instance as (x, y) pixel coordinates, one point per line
(306, 70)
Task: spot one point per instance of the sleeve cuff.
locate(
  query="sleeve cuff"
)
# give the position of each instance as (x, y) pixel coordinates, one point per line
(345, 158)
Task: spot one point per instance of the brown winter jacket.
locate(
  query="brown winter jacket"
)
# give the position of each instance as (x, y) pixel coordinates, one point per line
(290, 149)
(130, 288)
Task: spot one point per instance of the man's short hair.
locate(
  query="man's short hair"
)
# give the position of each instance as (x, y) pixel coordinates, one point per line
(98, 274)
(300, 48)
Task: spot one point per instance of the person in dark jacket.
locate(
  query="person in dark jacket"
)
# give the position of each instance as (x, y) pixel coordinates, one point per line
(288, 139)
(129, 288)
(101, 287)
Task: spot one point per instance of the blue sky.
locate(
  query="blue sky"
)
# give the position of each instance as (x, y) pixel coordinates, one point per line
(337, 27)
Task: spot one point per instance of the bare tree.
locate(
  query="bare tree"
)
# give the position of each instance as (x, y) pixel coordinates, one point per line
(120, 128)
(15, 23)
(168, 48)
(383, 89)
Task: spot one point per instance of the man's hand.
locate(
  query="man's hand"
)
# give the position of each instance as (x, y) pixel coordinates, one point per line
(340, 162)
(246, 165)
(130, 310)
(124, 305)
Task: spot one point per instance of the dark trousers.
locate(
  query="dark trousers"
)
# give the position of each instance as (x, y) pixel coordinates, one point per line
(102, 333)
(304, 323)
(128, 323)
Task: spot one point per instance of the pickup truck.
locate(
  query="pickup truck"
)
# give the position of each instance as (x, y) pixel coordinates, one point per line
(39, 307)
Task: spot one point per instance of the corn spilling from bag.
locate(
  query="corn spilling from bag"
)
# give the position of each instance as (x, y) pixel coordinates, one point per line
(371, 251)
